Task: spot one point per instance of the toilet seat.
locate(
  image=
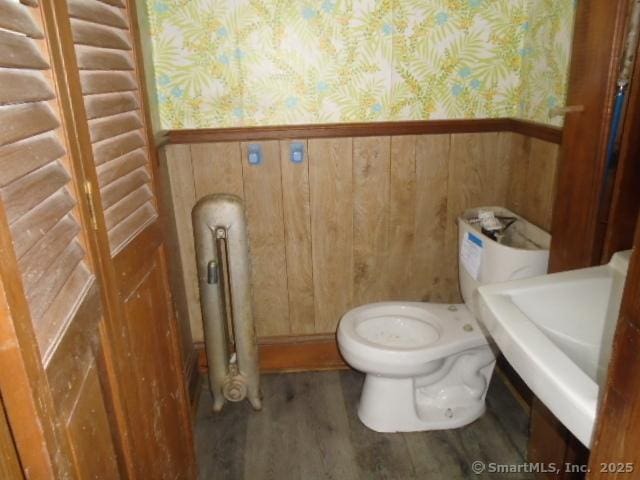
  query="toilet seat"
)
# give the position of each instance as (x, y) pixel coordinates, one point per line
(399, 338)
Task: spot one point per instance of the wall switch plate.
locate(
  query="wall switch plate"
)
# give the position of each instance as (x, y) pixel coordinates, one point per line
(254, 154)
(296, 152)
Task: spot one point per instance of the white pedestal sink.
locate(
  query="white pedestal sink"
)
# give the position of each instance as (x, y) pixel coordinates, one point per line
(557, 332)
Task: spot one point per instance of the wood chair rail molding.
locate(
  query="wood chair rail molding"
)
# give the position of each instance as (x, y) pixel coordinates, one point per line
(335, 130)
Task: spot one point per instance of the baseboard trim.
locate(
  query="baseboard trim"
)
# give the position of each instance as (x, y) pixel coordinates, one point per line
(372, 129)
(292, 353)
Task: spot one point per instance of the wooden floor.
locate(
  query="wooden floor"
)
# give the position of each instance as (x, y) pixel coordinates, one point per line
(309, 430)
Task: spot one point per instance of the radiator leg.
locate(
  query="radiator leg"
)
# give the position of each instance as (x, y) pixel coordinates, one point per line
(255, 398)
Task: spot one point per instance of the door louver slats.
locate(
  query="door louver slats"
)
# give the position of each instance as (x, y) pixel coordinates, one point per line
(115, 3)
(15, 18)
(112, 148)
(32, 226)
(91, 58)
(105, 82)
(122, 187)
(23, 86)
(27, 192)
(20, 158)
(110, 104)
(57, 274)
(19, 51)
(26, 120)
(103, 128)
(34, 179)
(97, 12)
(96, 35)
(111, 89)
(111, 171)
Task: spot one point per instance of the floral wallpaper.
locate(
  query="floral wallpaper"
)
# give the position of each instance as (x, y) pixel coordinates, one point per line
(222, 63)
(545, 59)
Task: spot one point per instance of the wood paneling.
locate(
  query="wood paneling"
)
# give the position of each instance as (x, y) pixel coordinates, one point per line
(532, 188)
(296, 205)
(263, 207)
(331, 183)
(179, 198)
(402, 193)
(371, 161)
(360, 220)
(433, 277)
(223, 158)
(479, 171)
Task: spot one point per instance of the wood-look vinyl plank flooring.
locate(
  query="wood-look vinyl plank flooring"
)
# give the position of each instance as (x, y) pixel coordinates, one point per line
(308, 429)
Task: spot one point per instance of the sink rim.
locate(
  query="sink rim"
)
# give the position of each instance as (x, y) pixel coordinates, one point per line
(568, 391)
(554, 378)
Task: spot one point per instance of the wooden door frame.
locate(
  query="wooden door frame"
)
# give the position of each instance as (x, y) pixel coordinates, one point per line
(617, 433)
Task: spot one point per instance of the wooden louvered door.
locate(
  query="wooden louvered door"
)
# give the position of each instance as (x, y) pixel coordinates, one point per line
(106, 60)
(50, 305)
(106, 81)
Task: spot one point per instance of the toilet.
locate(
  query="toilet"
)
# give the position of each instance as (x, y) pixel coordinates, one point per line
(428, 365)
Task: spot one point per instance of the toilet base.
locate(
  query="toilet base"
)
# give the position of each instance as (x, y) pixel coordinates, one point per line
(451, 397)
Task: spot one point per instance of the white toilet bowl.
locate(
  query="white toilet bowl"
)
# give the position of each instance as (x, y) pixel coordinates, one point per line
(428, 365)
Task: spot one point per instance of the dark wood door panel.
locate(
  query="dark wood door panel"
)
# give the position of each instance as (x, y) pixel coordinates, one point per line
(155, 359)
(78, 396)
(88, 431)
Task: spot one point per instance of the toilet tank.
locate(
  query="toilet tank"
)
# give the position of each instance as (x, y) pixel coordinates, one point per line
(522, 252)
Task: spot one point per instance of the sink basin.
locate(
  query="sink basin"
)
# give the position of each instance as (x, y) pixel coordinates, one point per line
(557, 332)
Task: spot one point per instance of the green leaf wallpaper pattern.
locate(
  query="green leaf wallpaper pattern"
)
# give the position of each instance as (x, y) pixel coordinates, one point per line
(222, 63)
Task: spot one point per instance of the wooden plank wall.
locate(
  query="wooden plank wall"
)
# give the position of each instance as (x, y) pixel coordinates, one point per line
(363, 219)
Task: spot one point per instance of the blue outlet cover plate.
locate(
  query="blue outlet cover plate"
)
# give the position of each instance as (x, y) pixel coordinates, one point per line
(254, 154)
(296, 152)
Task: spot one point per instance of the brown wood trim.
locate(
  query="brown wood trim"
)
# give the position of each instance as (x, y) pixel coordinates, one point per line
(548, 133)
(336, 130)
(290, 353)
(617, 428)
(580, 203)
(192, 375)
